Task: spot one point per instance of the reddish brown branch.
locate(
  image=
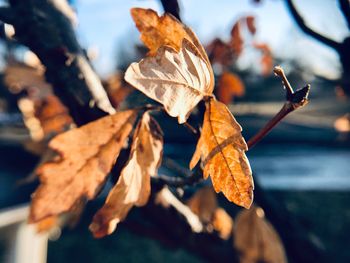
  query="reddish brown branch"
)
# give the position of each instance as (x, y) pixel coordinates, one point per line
(294, 100)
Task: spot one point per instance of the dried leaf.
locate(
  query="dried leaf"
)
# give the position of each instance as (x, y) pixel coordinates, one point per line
(86, 156)
(236, 41)
(20, 76)
(256, 239)
(178, 80)
(222, 150)
(220, 52)
(163, 31)
(158, 31)
(53, 116)
(204, 203)
(133, 186)
(117, 89)
(222, 223)
(229, 86)
(250, 20)
(266, 58)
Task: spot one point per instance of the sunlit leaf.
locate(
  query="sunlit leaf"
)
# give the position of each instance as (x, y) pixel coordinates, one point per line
(256, 239)
(85, 157)
(222, 150)
(133, 187)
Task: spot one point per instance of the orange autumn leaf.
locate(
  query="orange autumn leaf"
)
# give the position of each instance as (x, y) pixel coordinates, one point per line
(204, 203)
(220, 52)
(256, 239)
(157, 31)
(250, 20)
(178, 80)
(179, 74)
(266, 58)
(52, 115)
(229, 86)
(236, 41)
(222, 150)
(85, 157)
(134, 184)
(222, 223)
(117, 89)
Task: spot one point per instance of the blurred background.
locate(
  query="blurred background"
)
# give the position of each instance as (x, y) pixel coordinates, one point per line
(301, 168)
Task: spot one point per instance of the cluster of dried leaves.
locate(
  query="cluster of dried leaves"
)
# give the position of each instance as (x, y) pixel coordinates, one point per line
(226, 54)
(253, 236)
(176, 73)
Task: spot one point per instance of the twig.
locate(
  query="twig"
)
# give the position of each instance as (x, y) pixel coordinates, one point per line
(294, 100)
(345, 8)
(307, 30)
(184, 177)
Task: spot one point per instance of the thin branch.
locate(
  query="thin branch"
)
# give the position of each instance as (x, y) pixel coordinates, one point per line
(294, 101)
(184, 177)
(300, 21)
(345, 8)
(172, 7)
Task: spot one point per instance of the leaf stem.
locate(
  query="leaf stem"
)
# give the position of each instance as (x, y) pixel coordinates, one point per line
(294, 101)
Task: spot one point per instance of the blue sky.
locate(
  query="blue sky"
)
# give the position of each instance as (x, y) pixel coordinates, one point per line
(107, 25)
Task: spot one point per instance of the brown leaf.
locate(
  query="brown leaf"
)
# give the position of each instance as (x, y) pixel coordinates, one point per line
(117, 89)
(133, 186)
(52, 115)
(266, 58)
(86, 156)
(229, 86)
(222, 223)
(19, 76)
(222, 150)
(256, 239)
(220, 52)
(250, 20)
(178, 80)
(163, 31)
(236, 41)
(203, 203)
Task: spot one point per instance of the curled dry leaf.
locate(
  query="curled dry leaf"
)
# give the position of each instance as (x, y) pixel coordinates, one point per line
(117, 89)
(256, 239)
(250, 20)
(53, 116)
(204, 203)
(134, 184)
(222, 223)
(229, 86)
(86, 156)
(266, 58)
(161, 31)
(220, 52)
(222, 150)
(178, 80)
(236, 41)
(179, 74)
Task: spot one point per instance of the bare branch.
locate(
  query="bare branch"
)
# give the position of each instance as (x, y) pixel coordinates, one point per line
(301, 23)
(345, 8)
(294, 100)
(172, 7)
